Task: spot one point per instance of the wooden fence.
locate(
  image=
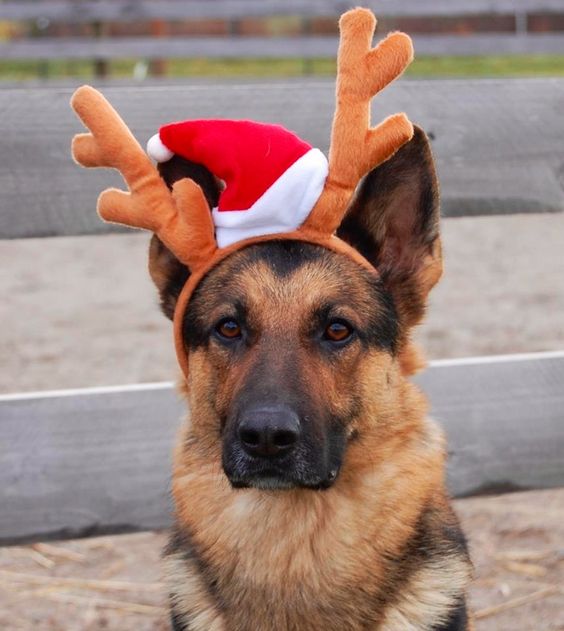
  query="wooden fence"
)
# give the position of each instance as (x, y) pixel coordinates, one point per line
(520, 39)
(84, 462)
(498, 144)
(90, 461)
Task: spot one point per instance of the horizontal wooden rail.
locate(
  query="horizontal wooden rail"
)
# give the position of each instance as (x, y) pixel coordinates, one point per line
(298, 47)
(126, 10)
(498, 143)
(83, 462)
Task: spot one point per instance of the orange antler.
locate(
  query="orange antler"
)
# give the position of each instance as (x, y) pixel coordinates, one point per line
(181, 219)
(356, 148)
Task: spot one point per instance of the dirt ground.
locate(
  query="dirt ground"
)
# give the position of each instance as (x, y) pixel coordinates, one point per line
(81, 312)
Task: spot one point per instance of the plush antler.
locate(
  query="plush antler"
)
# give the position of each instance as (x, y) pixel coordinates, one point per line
(356, 148)
(181, 219)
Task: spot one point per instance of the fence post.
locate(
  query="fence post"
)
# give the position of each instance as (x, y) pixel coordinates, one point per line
(101, 66)
(157, 67)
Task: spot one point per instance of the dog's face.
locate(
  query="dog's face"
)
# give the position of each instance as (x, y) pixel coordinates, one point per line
(284, 333)
(293, 347)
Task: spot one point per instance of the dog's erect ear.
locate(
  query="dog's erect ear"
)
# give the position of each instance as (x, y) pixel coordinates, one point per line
(167, 272)
(393, 221)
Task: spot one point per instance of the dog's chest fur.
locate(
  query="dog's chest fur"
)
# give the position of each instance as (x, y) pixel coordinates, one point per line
(349, 558)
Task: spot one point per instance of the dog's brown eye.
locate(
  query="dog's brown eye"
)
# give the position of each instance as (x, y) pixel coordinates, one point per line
(229, 329)
(337, 332)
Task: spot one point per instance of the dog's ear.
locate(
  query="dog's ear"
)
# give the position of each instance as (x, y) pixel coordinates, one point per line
(393, 221)
(167, 272)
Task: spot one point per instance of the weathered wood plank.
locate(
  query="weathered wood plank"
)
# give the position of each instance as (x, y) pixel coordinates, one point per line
(84, 462)
(267, 47)
(492, 157)
(490, 44)
(169, 47)
(504, 418)
(125, 10)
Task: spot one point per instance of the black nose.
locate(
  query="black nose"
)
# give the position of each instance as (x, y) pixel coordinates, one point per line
(269, 431)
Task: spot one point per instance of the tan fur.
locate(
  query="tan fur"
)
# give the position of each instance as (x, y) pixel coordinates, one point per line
(349, 557)
(428, 596)
(193, 600)
(411, 359)
(298, 550)
(302, 548)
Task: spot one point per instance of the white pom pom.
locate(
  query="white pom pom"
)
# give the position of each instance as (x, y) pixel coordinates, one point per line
(157, 150)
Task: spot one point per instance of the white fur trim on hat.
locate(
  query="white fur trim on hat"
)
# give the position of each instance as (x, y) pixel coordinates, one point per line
(282, 208)
(157, 150)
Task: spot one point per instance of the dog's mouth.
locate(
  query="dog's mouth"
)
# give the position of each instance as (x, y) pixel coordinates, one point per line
(272, 479)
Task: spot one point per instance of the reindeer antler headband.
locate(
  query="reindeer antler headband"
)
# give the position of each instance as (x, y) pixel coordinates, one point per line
(307, 203)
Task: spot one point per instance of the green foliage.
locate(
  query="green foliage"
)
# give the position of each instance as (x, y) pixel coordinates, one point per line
(494, 66)
(427, 67)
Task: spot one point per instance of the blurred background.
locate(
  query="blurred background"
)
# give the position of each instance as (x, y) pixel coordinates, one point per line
(142, 39)
(78, 309)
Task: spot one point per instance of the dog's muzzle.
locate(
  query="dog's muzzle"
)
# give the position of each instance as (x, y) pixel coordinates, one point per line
(267, 446)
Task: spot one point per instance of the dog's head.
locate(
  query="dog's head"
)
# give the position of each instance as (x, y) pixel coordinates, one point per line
(295, 350)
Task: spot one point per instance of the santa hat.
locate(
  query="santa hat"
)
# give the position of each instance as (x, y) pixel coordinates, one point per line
(272, 177)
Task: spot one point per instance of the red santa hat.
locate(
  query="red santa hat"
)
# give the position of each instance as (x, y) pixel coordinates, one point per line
(272, 177)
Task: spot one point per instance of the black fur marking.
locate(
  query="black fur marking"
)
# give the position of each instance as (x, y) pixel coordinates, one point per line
(384, 327)
(359, 236)
(455, 537)
(178, 168)
(431, 539)
(195, 335)
(181, 542)
(174, 286)
(177, 623)
(458, 620)
(285, 258)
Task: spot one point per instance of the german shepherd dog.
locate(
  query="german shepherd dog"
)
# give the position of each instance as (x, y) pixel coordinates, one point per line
(309, 484)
